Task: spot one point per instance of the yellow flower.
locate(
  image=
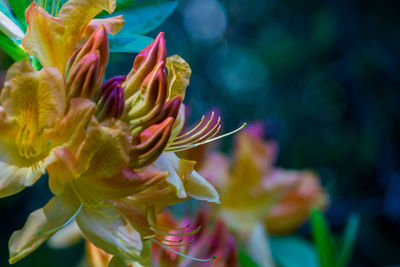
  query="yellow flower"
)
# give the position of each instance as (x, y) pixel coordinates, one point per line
(253, 190)
(53, 39)
(34, 120)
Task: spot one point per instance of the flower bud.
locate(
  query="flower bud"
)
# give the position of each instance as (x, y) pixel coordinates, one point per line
(144, 63)
(111, 102)
(83, 79)
(149, 101)
(87, 65)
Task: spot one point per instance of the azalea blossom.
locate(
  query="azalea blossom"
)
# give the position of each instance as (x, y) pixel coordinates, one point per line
(253, 190)
(110, 155)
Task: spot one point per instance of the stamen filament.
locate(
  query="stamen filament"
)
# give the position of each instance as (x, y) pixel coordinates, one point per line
(160, 227)
(189, 146)
(196, 134)
(179, 234)
(58, 3)
(183, 255)
(178, 245)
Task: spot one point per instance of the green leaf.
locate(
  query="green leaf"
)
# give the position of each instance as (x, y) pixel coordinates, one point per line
(302, 253)
(349, 238)
(128, 44)
(6, 10)
(143, 16)
(11, 48)
(19, 7)
(121, 4)
(245, 260)
(323, 239)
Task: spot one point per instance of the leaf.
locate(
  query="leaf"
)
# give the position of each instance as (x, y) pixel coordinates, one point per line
(323, 239)
(245, 260)
(11, 48)
(19, 7)
(121, 4)
(349, 238)
(144, 16)
(6, 10)
(302, 253)
(132, 44)
(8, 27)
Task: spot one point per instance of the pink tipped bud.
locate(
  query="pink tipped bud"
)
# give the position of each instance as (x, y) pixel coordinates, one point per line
(111, 101)
(144, 63)
(83, 78)
(96, 46)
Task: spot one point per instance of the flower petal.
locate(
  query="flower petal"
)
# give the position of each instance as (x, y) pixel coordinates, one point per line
(169, 162)
(197, 187)
(15, 178)
(179, 73)
(38, 227)
(112, 25)
(108, 231)
(52, 40)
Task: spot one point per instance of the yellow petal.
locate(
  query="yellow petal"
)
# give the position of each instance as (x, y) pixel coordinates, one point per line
(36, 99)
(95, 256)
(69, 130)
(38, 227)
(108, 231)
(61, 170)
(52, 40)
(104, 152)
(179, 73)
(112, 25)
(199, 188)
(15, 178)
(169, 162)
(66, 237)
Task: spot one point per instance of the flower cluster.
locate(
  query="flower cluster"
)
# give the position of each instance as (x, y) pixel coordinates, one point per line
(108, 148)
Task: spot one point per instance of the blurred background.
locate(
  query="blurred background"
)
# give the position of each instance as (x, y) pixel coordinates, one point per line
(322, 76)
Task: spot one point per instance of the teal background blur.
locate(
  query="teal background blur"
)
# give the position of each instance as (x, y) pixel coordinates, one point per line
(324, 78)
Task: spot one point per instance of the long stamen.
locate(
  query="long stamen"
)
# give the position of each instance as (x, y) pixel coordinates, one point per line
(170, 229)
(45, 4)
(178, 234)
(176, 245)
(179, 148)
(183, 255)
(166, 240)
(62, 226)
(190, 138)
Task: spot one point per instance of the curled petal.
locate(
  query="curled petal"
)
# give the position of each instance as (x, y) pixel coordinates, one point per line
(108, 231)
(38, 227)
(179, 73)
(112, 25)
(124, 184)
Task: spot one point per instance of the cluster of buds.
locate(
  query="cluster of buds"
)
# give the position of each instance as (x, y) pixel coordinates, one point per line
(87, 66)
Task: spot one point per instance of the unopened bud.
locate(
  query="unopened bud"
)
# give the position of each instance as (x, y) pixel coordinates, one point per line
(111, 101)
(144, 63)
(87, 66)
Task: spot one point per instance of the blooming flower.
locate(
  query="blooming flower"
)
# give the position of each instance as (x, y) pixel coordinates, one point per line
(253, 189)
(106, 172)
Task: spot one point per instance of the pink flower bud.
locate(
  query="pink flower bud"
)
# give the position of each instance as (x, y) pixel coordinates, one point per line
(111, 101)
(87, 65)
